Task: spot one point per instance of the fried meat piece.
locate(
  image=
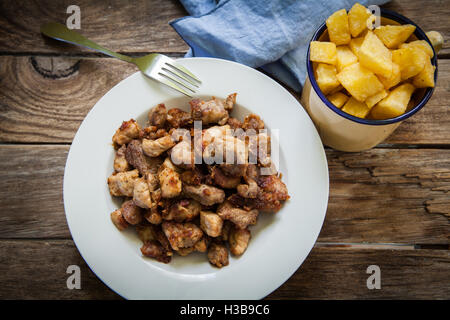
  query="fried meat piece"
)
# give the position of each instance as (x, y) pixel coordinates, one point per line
(238, 240)
(181, 235)
(234, 123)
(135, 156)
(153, 216)
(206, 195)
(157, 116)
(183, 210)
(122, 183)
(218, 254)
(131, 212)
(154, 148)
(212, 111)
(182, 155)
(192, 177)
(178, 118)
(230, 101)
(120, 162)
(154, 249)
(249, 190)
(223, 180)
(211, 223)
(272, 191)
(253, 121)
(128, 131)
(240, 217)
(141, 194)
(237, 170)
(118, 220)
(213, 133)
(170, 183)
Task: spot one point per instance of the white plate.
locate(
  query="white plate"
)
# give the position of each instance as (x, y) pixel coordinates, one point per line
(280, 242)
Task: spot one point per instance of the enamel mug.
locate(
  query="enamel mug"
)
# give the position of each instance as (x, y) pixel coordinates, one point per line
(343, 131)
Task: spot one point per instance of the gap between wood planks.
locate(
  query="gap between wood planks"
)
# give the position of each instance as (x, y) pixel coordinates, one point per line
(318, 244)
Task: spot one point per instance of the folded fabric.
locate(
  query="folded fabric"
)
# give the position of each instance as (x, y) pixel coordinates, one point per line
(271, 34)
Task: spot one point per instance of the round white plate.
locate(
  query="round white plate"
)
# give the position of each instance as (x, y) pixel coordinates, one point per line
(280, 242)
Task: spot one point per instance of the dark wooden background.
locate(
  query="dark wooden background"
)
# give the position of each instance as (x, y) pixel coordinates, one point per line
(389, 206)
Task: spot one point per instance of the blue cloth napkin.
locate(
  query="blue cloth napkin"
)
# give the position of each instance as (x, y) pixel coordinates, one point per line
(271, 34)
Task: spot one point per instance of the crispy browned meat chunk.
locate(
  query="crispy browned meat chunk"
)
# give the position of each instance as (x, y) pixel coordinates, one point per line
(128, 131)
(182, 155)
(234, 123)
(145, 232)
(141, 194)
(238, 240)
(223, 180)
(211, 223)
(154, 249)
(252, 172)
(253, 121)
(230, 101)
(131, 212)
(237, 170)
(153, 216)
(181, 235)
(183, 210)
(178, 118)
(249, 190)
(154, 148)
(206, 195)
(118, 220)
(157, 116)
(212, 111)
(272, 191)
(170, 183)
(120, 162)
(122, 183)
(218, 254)
(202, 245)
(135, 156)
(192, 177)
(240, 217)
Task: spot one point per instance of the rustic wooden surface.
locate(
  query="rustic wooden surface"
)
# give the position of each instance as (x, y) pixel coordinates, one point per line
(389, 206)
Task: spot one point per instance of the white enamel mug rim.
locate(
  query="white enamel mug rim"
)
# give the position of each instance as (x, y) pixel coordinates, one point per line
(419, 33)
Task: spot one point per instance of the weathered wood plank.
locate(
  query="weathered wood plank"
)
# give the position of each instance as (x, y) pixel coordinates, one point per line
(120, 25)
(37, 270)
(340, 273)
(379, 196)
(44, 99)
(142, 26)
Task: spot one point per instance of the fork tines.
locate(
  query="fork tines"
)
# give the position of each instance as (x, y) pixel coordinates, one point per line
(178, 77)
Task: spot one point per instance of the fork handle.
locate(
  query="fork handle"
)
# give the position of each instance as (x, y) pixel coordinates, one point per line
(62, 33)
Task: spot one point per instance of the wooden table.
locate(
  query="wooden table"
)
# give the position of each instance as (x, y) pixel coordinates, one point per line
(389, 206)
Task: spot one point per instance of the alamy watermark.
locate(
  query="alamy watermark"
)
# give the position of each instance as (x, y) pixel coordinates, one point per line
(74, 20)
(374, 280)
(74, 280)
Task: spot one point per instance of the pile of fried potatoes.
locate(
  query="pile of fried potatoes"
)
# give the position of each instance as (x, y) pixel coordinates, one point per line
(370, 73)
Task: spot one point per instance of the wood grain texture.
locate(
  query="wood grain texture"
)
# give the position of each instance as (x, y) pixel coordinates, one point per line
(340, 273)
(111, 23)
(45, 99)
(37, 270)
(120, 25)
(378, 196)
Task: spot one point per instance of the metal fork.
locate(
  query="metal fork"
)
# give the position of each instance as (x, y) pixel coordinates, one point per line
(156, 66)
